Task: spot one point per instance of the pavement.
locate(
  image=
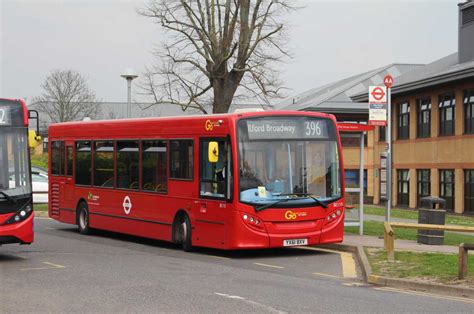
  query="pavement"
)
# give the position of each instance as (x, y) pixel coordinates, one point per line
(405, 245)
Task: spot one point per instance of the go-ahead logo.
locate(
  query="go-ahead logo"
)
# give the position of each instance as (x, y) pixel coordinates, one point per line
(291, 215)
(209, 125)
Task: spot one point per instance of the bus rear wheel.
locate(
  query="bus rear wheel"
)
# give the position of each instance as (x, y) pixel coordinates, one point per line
(184, 234)
(83, 218)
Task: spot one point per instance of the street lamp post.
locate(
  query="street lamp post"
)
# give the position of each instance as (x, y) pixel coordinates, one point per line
(129, 75)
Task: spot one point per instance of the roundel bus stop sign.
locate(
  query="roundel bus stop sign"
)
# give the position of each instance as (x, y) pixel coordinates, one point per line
(377, 105)
(377, 94)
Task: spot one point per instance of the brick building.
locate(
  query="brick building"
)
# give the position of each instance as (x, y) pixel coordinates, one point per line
(432, 125)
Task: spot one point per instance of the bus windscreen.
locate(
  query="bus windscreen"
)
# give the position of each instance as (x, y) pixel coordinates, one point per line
(14, 164)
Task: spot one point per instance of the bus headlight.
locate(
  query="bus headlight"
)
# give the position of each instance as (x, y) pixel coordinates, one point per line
(333, 216)
(20, 215)
(253, 222)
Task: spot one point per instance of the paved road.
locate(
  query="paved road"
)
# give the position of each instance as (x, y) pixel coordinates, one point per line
(67, 272)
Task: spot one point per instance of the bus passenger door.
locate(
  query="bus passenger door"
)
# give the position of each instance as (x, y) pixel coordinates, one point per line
(67, 186)
(213, 209)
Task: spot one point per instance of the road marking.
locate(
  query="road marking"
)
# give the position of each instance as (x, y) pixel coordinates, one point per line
(51, 266)
(425, 294)
(347, 261)
(348, 265)
(267, 265)
(220, 257)
(54, 265)
(355, 284)
(17, 256)
(327, 275)
(250, 302)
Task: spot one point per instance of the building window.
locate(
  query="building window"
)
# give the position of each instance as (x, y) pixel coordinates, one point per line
(423, 117)
(83, 163)
(382, 133)
(182, 159)
(154, 166)
(469, 111)
(403, 176)
(423, 184)
(352, 179)
(127, 165)
(447, 104)
(446, 187)
(469, 191)
(352, 140)
(104, 164)
(403, 121)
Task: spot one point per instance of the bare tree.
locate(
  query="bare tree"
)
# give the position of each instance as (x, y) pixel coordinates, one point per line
(213, 47)
(66, 97)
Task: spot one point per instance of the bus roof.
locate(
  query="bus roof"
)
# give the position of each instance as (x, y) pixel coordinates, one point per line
(214, 124)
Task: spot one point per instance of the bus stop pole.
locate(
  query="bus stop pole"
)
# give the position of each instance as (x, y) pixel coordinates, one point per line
(361, 185)
(389, 154)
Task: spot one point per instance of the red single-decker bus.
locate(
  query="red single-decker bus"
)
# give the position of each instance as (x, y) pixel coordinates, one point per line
(233, 181)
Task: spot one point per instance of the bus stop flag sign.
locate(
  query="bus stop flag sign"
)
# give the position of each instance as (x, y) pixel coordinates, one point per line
(378, 105)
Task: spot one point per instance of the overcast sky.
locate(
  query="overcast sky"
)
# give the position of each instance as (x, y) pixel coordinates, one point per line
(329, 40)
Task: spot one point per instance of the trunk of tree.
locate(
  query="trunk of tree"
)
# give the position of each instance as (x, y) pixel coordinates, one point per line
(224, 91)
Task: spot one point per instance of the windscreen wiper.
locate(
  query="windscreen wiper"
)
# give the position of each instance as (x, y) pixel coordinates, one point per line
(259, 208)
(8, 197)
(318, 201)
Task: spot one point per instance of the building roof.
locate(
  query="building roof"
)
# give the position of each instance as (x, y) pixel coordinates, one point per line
(444, 70)
(336, 97)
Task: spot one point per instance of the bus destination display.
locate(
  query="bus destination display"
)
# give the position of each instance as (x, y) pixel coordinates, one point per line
(287, 129)
(5, 115)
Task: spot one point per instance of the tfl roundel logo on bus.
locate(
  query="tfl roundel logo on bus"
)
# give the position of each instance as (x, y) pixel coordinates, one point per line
(127, 205)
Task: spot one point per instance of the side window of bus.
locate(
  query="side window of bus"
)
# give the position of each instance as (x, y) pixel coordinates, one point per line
(83, 163)
(127, 165)
(154, 166)
(69, 161)
(57, 158)
(215, 177)
(104, 164)
(182, 159)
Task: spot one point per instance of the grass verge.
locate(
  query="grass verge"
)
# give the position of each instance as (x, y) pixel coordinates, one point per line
(375, 228)
(40, 207)
(413, 214)
(429, 267)
(40, 160)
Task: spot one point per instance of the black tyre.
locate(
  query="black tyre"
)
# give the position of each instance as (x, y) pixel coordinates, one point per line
(83, 218)
(184, 232)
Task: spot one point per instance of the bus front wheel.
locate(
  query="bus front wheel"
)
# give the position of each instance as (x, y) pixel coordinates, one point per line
(83, 218)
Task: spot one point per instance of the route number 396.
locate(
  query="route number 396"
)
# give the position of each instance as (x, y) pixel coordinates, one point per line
(312, 128)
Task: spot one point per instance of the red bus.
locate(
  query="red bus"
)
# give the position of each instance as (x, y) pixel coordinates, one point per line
(233, 181)
(16, 212)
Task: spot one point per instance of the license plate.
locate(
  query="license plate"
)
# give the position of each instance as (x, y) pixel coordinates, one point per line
(293, 242)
